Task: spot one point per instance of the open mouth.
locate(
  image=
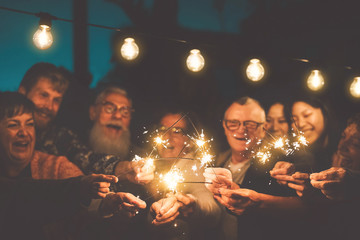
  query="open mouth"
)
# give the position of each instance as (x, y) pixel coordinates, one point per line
(21, 145)
(115, 127)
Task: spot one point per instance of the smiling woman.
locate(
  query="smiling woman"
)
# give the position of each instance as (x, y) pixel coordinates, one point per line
(313, 118)
(17, 143)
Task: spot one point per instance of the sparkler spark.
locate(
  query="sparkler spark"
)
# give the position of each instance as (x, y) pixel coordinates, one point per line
(172, 178)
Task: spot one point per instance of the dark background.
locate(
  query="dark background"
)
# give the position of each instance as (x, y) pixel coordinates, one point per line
(278, 32)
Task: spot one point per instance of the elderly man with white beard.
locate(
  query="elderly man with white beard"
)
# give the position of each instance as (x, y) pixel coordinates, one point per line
(110, 134)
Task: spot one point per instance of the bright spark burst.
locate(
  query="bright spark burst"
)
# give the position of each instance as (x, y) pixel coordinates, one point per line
(302, 140)
(206, 159)
(172, 178)
(158, 140)
(279, 143)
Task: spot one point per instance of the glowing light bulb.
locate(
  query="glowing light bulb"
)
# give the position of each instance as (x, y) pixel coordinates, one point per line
(355, 88)
(195, 61)
(255, 71)
(43, 38)
(129, 50)
(315, 81)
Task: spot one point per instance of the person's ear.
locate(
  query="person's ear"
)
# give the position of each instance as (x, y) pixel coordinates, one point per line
(22, 90)
(92, 112)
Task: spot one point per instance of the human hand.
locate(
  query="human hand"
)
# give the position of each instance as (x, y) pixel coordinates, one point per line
(331, 182)
(139, 172)
(96, 185)
(300, 183)
(165, 210)
(188, 203)
(238, 200)
(282, 172)
(219, 178)
(121, 203)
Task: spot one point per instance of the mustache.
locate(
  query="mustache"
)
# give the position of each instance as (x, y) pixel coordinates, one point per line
(116, 123)
(45, 111)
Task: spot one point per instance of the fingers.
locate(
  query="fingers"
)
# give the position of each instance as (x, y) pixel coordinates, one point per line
(167, 204)
(104, 178)
(326, 185)
(218, 172)
(300, 176)
(296, 187)
(282, 167)
(329, 174)
(184, 199)
(157, 222)
(128, 198)
(284, 178)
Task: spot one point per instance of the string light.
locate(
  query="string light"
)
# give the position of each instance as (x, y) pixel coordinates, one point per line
(129, 50)
(315, 81)
(43, 38)
(355, 87)
(195, 61)
(255, 71)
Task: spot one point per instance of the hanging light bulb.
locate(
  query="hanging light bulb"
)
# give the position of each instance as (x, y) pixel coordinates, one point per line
(195, 61)
(355, 88)
(315, 81)
(129, 50)
(43, 38)
(255, 71)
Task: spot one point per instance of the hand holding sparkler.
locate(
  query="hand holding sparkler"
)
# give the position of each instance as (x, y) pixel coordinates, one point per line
(139, 171)
(220, 178)
(97, 185)
(282, 172)
(121, 203)
(188, 203)
(332, 182)
(238, 200)
(165, 210)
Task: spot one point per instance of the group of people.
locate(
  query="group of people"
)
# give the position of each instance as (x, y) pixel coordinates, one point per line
(60, 187)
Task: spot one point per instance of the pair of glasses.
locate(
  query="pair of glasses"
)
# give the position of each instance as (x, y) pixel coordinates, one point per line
(233, 125)
(177, 131)
(111, 108)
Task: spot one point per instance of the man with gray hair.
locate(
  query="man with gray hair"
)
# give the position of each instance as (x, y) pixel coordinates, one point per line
(243, 129)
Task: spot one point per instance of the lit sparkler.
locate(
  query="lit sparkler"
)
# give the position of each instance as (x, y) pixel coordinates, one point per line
(172, 178)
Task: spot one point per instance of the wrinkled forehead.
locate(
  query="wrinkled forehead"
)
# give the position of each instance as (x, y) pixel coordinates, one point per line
(117, 99)
(251, 111)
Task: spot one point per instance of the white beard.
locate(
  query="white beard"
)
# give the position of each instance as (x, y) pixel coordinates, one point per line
(100, 143)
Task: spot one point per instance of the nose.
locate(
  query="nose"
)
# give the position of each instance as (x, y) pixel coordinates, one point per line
(299, 123)
(117, 114)
(22, 132)
(275, 126)
(49, 105)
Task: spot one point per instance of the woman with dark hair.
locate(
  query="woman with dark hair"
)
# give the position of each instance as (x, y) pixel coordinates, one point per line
(277, 121)
(313, 119)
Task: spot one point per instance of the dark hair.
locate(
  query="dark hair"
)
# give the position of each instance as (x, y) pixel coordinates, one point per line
(59, 76)
(330, 123)
(356, 120)
(13, 104)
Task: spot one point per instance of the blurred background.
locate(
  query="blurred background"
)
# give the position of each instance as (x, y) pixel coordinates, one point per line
(290, 37)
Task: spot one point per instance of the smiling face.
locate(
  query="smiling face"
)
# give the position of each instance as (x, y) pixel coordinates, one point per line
(113, 124)
(46, 99)
(309, 120)
(276, 123)
(244, 140)
(175, 137)
(348, 151)
(17, 139)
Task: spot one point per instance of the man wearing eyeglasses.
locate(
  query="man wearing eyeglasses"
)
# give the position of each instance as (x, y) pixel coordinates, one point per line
(243, 126)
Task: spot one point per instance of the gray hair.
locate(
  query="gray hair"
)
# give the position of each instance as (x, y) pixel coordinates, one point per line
(102, 95)
(246, 101)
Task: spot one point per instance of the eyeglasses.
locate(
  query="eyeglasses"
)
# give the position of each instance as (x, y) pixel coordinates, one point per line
(176, 131)
(233, 125)
(111, 108)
